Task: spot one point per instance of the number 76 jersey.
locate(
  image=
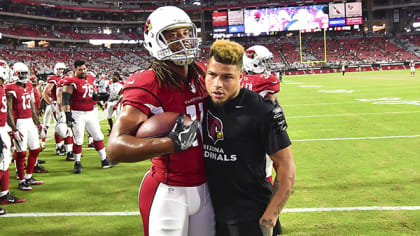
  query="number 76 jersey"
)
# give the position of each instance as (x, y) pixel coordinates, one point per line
(82, 97)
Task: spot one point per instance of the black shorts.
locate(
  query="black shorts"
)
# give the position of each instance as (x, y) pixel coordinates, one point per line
(249, 228)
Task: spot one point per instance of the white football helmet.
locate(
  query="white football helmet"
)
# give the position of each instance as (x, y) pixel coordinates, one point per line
(258, 59)
(4, 71)
(59, 65)
(20, 72)
(168, 18)
(4, 74)
(62, 130)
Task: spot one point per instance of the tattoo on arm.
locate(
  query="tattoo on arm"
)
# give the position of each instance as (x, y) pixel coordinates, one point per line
(266, 228)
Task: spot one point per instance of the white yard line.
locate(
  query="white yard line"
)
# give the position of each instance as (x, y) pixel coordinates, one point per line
(352, 114)
(356, 138)
(292, 210)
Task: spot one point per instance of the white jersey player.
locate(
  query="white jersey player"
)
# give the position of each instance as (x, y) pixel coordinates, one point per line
(115, 96)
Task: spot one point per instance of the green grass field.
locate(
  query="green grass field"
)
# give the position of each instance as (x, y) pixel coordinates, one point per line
(356, 143)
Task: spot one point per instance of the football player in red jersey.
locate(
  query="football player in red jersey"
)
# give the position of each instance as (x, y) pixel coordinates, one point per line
(37, 102)
(50, 96)
(64, 131)
(21, 115)
(5, 158)
(78, 102)
(258, 77)
(173, 196)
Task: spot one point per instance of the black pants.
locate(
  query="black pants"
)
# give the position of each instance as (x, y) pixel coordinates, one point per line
(251, 228)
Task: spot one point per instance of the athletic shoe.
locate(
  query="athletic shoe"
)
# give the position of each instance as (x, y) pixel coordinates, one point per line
(41, 161)
(2, 211)
(9, 199)
(42, 146)
(59, 151)
(70, 156)
(33, 181)
(106, 163)
(24, 186)
(39, 169)
(77, 167)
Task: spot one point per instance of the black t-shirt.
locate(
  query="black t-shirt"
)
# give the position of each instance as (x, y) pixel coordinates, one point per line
(236, 139)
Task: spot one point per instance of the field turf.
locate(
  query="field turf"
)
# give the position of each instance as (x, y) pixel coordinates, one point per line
(356, 143)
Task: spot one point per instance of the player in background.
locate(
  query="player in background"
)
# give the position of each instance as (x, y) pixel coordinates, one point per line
(42, 134)
(61, 128)
(50, 96)
(258, 77)
(102, 87)
(173, 196)
(22, 118)
(412, 68)
(79, 104)
(115, 96)
(5, 157)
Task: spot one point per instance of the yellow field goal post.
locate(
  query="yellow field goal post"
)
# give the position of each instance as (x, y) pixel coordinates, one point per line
(323, 31)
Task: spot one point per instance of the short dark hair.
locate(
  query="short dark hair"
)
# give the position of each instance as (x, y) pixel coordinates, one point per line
(79, 63)
(117, 74)
(67, 70)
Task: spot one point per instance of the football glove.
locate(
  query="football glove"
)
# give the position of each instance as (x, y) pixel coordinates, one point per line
(41, 131)
(69, 119)
(17, 136)
(182, 135)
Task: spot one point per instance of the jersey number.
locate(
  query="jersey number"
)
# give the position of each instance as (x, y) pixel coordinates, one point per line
(3, 104)
(26, 101)
(88, 90)
(191, 110)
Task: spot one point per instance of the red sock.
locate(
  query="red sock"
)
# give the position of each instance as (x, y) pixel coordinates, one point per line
(99, 145)
(77, 149)
(68, 140)
(33, 155)
(57, 138)
(20, 164)
(4, 180)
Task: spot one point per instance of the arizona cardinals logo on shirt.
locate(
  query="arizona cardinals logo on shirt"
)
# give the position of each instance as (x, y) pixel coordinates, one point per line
(214, 128)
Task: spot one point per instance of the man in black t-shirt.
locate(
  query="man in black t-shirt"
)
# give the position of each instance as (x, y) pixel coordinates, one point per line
(240, 127)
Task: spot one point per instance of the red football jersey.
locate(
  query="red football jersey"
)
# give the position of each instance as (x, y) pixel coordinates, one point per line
(3, 107)
(83, 89)
(53, 79)
(261, 83)
(142, 91)
(22, 100)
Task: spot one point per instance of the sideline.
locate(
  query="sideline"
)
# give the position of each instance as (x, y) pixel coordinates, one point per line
(357, 138)
(353, 114)
(291, 210)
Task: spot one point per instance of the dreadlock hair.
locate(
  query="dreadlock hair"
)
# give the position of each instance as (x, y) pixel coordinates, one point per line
(172, 79)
